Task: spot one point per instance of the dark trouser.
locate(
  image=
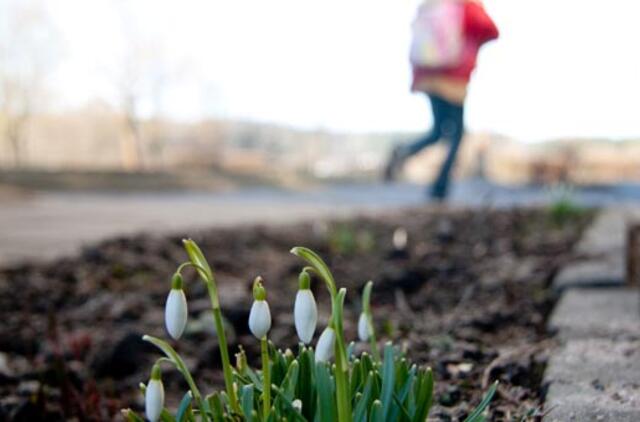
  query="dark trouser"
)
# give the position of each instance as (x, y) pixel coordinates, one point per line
(447, 123)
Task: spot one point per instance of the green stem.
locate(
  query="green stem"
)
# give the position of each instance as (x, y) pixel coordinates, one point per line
(342, 368)
(200, 263)
(177, 361)
(372, 339)
(224, 351)
(337, 302)
(266, 378)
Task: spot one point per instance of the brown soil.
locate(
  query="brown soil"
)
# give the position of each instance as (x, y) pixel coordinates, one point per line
(468, 296)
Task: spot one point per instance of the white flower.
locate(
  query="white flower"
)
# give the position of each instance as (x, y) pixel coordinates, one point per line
(364, 331)
(175, 313)
(154, 396)
(260, 318)
(325, 346)
(305, 315)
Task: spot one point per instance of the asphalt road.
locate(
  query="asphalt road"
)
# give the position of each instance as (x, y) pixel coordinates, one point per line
(43, 226)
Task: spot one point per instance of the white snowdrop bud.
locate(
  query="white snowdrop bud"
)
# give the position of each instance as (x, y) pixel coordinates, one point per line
(175, 311)
(260, 315)
(297, 405)
(305, 311)
(154, 396)
(325, 346)
(364, 331)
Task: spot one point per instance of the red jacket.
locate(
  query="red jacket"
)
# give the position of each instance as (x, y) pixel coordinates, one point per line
(478, 29)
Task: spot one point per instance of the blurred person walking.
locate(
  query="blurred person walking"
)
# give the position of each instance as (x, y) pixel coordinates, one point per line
(447, 36)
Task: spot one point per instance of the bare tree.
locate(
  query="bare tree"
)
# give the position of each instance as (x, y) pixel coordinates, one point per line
(25, 56)
(140, 79)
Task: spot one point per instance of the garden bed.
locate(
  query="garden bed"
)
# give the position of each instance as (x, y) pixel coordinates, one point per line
(468, 296)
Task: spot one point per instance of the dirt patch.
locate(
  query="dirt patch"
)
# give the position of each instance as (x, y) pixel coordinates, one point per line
(468, 296)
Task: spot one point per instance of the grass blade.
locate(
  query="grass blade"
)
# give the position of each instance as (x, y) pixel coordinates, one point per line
(388, 380)
(476, 415)
(184, 407)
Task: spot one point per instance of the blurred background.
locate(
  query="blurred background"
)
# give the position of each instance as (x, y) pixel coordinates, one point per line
(205, 98)
(288, 90)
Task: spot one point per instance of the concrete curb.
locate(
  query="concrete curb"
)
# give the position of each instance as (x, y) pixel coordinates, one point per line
(594, 374)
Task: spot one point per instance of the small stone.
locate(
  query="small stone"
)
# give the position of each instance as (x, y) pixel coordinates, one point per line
(123, 358)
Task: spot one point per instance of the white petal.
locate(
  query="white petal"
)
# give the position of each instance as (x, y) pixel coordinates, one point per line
(260, 318)
(363, 327)
(326, 343)
(154, 400)
(175, 313)
(305, 315)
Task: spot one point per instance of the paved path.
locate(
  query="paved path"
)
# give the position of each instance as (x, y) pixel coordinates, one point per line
(47, 225)
(594, 375)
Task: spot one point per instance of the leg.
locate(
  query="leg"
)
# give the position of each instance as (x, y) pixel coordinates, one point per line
(402, 152)
(438, 106)
(453, 130)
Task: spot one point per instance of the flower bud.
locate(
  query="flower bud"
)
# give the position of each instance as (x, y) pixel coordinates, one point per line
(154, 395)
(364, 330)
(325, 346)
(260, 315)
(305, 315)
(175, 311)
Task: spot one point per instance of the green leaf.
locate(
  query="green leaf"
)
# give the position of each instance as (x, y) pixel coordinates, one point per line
(400, 407)
(131, 416)
(327, 410)
(377, 412)
(350, 348)
(388, 380)
(177, 361)
(401, 395)
(367, 363)
(361, 406)
(217, 410)
(247, 402)
(476, 415)
(357, 379)
(305, 390)
(184, 407)
(288, 386)
(287, 406)
(165, 416)
(423, 395)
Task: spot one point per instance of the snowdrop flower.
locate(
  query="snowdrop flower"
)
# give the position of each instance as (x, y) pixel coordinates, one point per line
(175, 311)
(305, 311)
(154, 395)
(325, 346)
(364, 330)
(260, 315)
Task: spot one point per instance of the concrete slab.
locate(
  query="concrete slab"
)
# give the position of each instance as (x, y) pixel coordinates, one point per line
(607, 233)
(606, 271)
(603, 247)
(597, 313)
(594, 380)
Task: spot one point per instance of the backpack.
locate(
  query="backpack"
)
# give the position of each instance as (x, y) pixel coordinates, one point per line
(437, 34)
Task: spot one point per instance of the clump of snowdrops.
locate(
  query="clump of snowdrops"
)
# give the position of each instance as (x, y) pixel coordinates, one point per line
(322, 384)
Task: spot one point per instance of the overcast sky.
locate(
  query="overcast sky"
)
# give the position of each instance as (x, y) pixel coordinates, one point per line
(561, 68)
